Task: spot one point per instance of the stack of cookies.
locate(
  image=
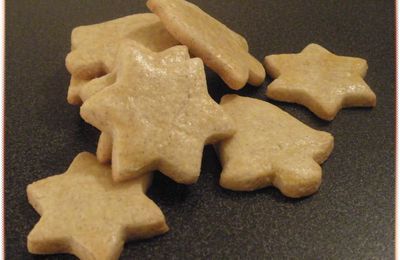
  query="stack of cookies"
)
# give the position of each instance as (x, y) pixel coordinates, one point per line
(140, 80)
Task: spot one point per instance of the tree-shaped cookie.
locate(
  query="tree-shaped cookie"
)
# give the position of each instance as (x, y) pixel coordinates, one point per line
(94, 47)
(83, 212)
(271, 147)
(210, 40)
(319, 80)
(159, 116)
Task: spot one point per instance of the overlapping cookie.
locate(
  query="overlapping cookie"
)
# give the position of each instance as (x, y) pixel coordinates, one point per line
(271, 147)
(159, 116)
(94, 47)
(83, 212)
(212, 41)
(172, 55)
(319, 80)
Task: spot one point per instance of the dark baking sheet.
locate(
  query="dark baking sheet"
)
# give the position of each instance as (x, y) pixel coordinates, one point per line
(351, 217)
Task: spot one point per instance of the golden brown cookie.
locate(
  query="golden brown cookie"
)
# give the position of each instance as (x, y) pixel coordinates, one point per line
(271, 147)
(94, 47)
(159, 116)
(212, 41)
(319, 80)
(83, 212)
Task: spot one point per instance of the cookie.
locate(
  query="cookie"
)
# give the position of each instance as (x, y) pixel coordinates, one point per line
(159, 116)
(172, 55)
(319, 80)
(94, 47)
(74, 88)
(212, 41)
(104, 148)
(83, 212)
(271, 147)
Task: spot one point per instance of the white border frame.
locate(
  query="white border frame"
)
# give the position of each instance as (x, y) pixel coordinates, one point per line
(2, 121)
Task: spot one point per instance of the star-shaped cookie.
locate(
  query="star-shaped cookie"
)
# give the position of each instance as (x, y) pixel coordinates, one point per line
(319, 80)
(159, 116)
(271, 147)
(83, 212)
(94, 47)
(104, 148)
(172, 55)
(210, 40)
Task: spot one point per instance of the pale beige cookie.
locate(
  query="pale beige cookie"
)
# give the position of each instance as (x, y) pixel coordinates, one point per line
(84, 89)
(104, 148)
(74, 88)
(172, 55)
(83, 212)
(212, 41)
(319, 80)
(271, 147)
(159, 116)
(94, 47)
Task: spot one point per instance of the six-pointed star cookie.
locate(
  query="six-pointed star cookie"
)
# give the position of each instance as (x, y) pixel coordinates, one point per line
(319, 80)
(158, 115)
(210, 40)
(271, 147)
(94, 47)
(83, 212)
(174, 54)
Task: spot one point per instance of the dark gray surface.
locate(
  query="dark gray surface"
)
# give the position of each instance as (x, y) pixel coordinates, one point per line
(351, 217)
